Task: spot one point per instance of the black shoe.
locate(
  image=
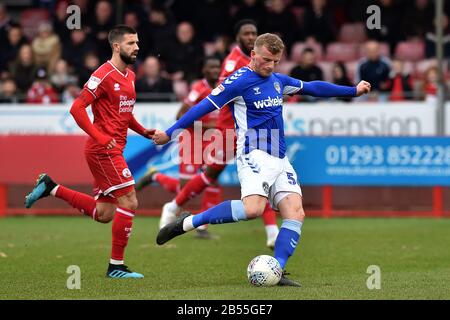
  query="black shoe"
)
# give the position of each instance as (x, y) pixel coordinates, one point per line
(146, 179)
(121, 271)
(44, 184)
(172, 229)
(287, 282)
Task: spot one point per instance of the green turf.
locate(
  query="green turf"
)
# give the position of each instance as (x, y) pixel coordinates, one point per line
(331, 260)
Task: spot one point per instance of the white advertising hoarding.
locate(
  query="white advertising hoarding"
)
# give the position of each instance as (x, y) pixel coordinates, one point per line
(325, 118)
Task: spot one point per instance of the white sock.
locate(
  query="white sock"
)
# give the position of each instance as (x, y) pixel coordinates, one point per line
(53, 192)
(272, 231)
(116, 262)
(173, 206)
(187, 224)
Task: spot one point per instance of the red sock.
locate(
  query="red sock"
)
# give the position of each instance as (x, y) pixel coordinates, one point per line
(169, 183)
(211, 196)
(121, 230)
(195, 186)
(269, 216)
(81, 201)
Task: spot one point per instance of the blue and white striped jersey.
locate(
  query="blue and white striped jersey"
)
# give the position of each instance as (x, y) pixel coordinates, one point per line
(257, 106)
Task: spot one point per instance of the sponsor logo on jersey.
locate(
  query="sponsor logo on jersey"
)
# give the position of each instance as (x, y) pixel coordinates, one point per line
(256, 89)
(265, 186)
(193, 96)
(277, 87)
(269, 102)
(126, 173)
(126, 105)
(217, 90)
(116, 87)
(93, 83)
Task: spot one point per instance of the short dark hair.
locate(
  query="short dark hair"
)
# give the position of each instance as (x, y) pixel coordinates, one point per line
(210, 58)
(240, 23)
(116, 33)
(308, 50)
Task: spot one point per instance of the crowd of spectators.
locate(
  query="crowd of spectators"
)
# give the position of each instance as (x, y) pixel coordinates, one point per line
(43, 61)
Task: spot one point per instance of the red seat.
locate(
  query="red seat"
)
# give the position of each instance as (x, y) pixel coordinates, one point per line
(352, 32)
(339, 51)
(298, 47)
(30, 19)
(285, 67)
(410, 50)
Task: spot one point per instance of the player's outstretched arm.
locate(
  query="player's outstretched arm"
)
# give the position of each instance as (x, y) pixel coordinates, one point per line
(325, 89)
(138, 128)
(195, 112)
(78, 111)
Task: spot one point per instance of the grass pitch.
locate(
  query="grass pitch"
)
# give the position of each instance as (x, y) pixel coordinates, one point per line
(331, 261)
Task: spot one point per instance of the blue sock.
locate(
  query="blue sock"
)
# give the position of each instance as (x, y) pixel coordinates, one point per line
(287, 240)
(225, 212)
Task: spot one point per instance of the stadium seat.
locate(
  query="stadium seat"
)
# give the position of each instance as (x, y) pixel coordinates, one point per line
(351, 67)
(285, 67)
(298, 47)
(327, 70)
(385, 50)
(30, 19)
(352, 33)
(410, 51)
(339, 51)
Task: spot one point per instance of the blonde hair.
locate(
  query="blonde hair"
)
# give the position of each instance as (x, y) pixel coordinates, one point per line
(271, 41)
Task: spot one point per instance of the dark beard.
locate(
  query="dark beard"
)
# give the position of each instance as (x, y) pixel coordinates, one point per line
(127, 59)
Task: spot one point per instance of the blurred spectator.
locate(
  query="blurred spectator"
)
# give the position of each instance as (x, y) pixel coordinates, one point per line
(307, 70)
(41, 90)
(5, 23)
(340, 77)
(183, 56)
(399, 83)
(281, 21)
(430, 84)
(161, 28)
(221, 45)
(417, 19)
(59, 19)
(10, 48)
(318, 23)
(251, 9)
(102, 22)
(70, 93)
(46, 47)
(91, 63)
(211, 18)
(8, 91)
(390, 24)
(373, 68)
(61, 76)
(77, 48)
(23, 68)
(131, 19)
(431, 39)
(152, 87)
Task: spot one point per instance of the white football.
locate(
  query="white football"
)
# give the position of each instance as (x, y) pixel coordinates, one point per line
(264, 270)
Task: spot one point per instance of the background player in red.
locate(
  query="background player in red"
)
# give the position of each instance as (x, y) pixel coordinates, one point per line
(246, 33)
(190, 162)
(110, 91)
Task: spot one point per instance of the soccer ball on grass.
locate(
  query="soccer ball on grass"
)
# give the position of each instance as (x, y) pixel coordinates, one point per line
(264, 271)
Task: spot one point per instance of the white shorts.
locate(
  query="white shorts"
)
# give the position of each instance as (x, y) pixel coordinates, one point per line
(271, 177)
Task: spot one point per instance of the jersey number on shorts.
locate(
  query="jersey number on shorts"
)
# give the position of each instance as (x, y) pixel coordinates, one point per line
(291, 178)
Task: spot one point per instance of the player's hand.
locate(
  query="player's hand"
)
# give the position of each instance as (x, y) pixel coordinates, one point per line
(106, 141)
(363, 87)
(148, 133)
(160, 137)
(111, 144)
